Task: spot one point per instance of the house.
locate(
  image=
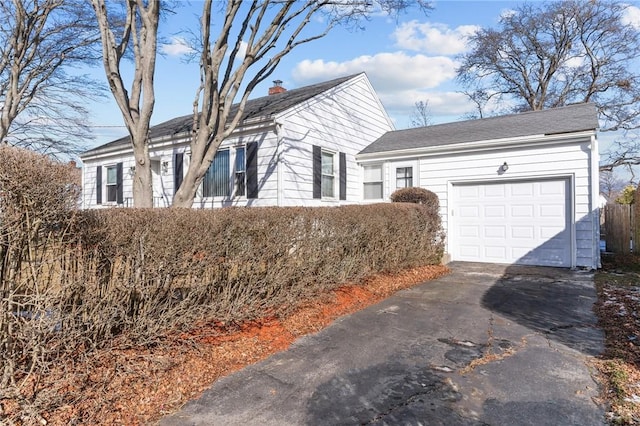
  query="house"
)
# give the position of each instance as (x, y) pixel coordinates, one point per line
(293, 148)
(520, 188)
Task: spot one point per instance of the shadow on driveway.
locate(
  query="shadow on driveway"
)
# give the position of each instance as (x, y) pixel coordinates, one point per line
(555, 301)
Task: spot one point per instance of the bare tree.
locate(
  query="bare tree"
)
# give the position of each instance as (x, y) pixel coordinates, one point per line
(611, 185)
(253, 37)
(137, 34)
(41, 92)
(421, 116)
(553, 54)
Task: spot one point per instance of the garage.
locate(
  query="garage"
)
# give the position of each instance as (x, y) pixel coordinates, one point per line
(524, 222)
(519, 188)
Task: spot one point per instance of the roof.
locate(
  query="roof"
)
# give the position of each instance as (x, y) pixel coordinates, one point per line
(263, 107)
(568, 119)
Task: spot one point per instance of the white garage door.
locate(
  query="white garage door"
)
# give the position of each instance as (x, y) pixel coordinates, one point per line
(523, 222)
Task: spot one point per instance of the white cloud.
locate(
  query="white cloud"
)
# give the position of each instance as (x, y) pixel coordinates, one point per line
(391, 71)
(433, 38)
(632, 17)
(400, 81)
(444, 106)
(178, 47)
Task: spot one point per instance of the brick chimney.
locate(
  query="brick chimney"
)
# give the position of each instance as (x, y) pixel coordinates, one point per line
(277, 88)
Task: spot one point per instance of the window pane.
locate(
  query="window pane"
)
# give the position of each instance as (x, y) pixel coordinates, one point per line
(240, 176)
(327, 186)
(373, 173)
(404, 177)
(373, 191)
(240, 160)
(112, 194)
(240, 184)
(216, 180)
(327, 163)
(112, 177)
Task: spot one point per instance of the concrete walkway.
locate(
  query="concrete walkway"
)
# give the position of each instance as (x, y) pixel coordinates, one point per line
(486, 344)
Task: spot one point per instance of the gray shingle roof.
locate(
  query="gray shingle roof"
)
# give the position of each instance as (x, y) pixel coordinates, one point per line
(265, 106)
(572, 118)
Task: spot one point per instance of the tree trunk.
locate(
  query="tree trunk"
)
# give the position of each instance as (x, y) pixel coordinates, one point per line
(142, 180)
(187, 192)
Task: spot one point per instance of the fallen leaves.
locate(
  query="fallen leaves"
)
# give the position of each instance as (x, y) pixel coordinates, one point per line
(136, 386)
(618, 311)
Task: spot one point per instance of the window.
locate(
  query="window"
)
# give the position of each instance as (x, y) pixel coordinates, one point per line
(112, 184)
(404, 177)
(216, 180)
(328, 175)
(373, 182)
(240, 172)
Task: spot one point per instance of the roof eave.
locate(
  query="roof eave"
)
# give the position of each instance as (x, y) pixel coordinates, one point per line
(249, 126)
(476, 146)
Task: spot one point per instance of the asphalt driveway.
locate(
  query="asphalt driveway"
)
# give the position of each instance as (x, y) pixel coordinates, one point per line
(486, 344)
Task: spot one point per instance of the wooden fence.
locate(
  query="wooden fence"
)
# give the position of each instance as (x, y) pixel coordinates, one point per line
(618, 227)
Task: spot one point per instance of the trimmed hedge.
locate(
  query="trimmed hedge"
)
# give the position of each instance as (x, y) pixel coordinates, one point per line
(415, 195)
(76, 280)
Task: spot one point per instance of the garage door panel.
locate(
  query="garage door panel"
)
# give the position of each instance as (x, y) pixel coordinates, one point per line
(521, 211)
(469, 192)
(495, 231)
(494, 212)
(470, 231)
(552, 188)
(495, 252)
(494, 191)
(470, 251)
(522, 190)
(469, 211)
(527, 232)
(529, 223)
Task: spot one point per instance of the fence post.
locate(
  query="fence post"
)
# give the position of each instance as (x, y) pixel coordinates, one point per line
(618, 228)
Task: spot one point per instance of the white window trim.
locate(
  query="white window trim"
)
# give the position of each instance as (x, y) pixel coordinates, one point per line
(335, 175)
(381, 181)
(106, 185)
(234, 172)
(391, 176)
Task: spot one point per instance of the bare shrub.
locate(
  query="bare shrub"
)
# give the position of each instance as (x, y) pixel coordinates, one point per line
(38, 198)
(127, 277)
(415, 195)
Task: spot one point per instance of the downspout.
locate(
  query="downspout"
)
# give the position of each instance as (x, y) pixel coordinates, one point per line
(279, 165)
(595, 198)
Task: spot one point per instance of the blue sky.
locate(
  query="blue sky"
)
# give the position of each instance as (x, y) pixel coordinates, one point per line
(407, 60)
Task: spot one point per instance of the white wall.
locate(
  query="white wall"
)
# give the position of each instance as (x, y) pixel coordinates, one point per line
(346, 119)
(439, 173)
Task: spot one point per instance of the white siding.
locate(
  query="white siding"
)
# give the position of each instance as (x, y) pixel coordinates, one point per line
(346, 120)
(439, 173)
(166, 179)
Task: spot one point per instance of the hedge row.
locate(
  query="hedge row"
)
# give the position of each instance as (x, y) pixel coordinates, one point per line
(75, 280)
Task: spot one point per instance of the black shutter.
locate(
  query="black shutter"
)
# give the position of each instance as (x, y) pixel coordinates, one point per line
(99, 185)
(252, 170)
(317, 171)
(342, 171)
(119, 195)
(178, 160)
